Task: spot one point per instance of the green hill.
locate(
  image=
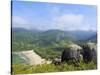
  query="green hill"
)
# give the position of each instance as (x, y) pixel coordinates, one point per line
(47, 44)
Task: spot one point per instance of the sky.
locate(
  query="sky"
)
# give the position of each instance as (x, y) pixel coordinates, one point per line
(46, 16)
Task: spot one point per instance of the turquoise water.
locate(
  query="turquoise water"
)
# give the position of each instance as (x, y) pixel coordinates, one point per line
(16, 59)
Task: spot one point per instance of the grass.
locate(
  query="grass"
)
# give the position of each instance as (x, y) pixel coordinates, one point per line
(44, 68)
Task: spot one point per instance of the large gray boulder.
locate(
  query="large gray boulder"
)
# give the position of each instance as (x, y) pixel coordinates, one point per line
(89, 52)
(71, 54)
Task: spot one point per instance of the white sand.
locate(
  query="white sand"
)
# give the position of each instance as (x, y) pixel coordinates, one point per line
(31, 57)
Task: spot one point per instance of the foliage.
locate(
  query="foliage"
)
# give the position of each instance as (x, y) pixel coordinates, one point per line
(42, 44)
(48, 45)
(44, 68)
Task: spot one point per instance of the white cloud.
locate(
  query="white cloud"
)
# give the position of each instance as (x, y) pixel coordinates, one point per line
(62, 22)
(18, 21)
(71, 22)
(88, 28)
(69, 19)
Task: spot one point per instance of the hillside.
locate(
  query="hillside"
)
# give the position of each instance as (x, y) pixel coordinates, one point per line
(52, 35)
(48, 44)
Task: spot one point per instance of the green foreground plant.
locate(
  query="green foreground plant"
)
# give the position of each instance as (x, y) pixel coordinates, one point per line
(44, 68)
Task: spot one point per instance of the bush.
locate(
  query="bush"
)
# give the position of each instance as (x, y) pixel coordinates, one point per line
(44, 68)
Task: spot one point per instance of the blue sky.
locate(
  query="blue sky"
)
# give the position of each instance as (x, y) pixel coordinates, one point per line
(45, 16)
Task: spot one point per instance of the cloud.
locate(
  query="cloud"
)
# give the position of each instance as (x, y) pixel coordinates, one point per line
(63, 22)
(55, 16)
(18, 21)
(71, 22)
(69, 19)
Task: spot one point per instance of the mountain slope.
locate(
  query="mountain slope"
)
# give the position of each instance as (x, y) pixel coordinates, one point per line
(22, 38)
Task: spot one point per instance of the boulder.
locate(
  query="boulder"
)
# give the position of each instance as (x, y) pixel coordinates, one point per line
(89, 52)
(71, 54)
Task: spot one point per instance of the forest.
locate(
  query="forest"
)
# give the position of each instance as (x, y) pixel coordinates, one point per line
(49, 45)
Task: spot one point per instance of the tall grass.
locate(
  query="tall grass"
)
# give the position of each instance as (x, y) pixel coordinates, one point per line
(44, 68)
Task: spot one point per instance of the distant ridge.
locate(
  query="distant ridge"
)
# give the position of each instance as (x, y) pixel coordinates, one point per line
(52, 37)
(19, 29)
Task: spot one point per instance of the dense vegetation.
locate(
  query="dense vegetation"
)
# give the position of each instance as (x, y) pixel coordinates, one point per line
(45, 44)
(49, 45)
(26, 69)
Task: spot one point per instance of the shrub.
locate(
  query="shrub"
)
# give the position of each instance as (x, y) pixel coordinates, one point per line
(44, 68)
